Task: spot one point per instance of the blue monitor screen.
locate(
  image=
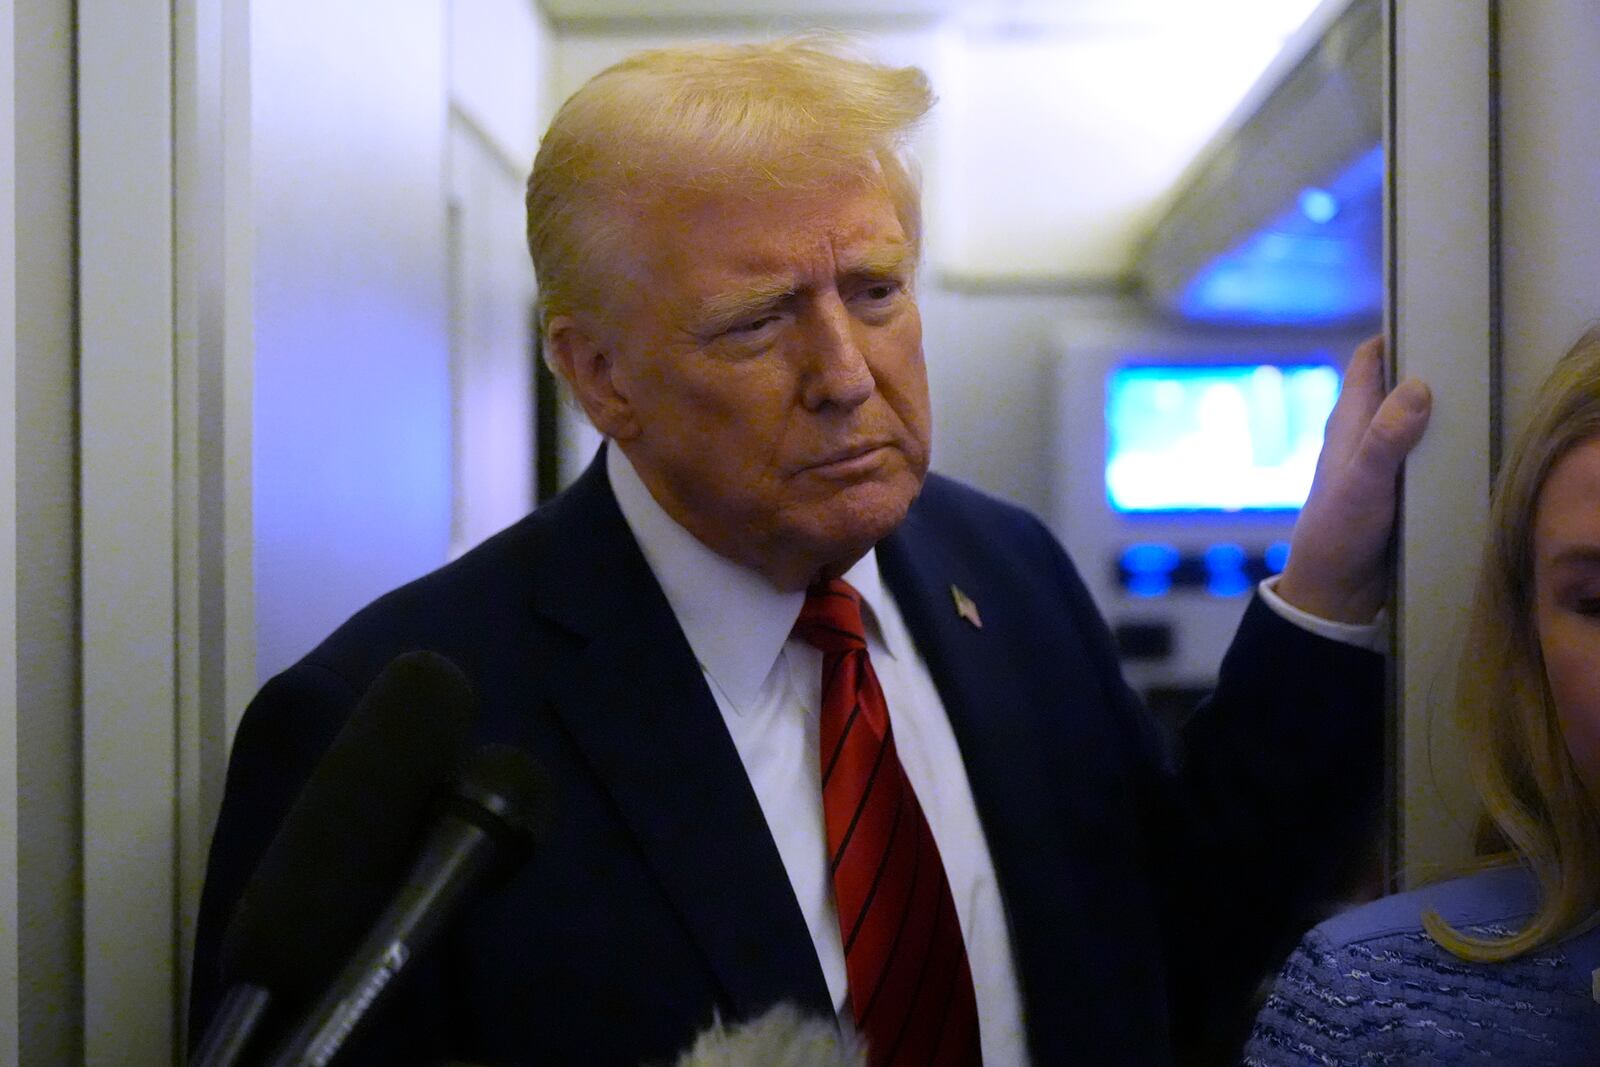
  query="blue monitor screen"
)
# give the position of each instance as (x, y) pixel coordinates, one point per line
(1215, 438)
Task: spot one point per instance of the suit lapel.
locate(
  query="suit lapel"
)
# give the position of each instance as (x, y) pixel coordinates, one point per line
(971, 669)
(637, 705)
(1011, 753)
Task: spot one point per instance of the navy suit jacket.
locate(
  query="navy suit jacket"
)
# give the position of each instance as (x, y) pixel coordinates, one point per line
(1145, 884)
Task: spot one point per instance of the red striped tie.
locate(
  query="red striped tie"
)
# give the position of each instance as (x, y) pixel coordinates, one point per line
(910, 985)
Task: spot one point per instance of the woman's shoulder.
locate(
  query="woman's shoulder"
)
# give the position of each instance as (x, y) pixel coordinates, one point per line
(1498, 899)
(1370, 986)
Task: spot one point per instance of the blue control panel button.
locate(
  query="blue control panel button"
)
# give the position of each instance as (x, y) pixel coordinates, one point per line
(1146, 569)
(1225, 570)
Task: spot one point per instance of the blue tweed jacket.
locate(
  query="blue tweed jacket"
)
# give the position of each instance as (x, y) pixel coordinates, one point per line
(1370, 987)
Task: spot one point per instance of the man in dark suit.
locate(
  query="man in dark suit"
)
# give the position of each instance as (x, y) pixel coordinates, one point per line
(726, 242)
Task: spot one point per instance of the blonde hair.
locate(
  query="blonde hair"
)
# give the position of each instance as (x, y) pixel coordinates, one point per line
(786, 114)
(1519, 760)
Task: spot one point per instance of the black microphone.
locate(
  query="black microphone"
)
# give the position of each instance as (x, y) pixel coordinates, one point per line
(344, 842)
(487, 823)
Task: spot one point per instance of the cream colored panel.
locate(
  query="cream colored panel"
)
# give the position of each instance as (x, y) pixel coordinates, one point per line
(1443, 327)
(10, 996)
(491, 289)
(1550, 187)
(126, 453)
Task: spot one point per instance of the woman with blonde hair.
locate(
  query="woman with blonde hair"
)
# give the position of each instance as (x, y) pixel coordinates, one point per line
(1502, 966)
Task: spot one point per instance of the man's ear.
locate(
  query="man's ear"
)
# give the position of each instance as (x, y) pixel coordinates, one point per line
(590, 370)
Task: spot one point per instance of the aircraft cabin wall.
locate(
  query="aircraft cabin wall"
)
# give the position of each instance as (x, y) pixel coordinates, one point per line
(393, 359)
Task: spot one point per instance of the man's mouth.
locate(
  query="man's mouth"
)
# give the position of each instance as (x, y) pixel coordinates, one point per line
(847, 462)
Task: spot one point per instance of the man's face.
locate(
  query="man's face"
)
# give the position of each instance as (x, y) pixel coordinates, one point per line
(766, 373)
(1566, 548)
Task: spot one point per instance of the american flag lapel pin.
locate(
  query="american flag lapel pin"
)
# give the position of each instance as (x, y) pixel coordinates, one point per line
(966, 608)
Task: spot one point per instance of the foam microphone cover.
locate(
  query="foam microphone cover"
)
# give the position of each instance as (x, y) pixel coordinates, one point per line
(350, 834)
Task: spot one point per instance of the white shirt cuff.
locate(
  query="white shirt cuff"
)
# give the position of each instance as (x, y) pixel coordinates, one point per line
(1372, 636)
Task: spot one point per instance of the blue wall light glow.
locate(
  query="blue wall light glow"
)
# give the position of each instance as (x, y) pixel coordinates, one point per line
(1318, 205)
(1319, 261)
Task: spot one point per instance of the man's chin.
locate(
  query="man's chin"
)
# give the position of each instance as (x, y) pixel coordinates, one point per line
(857, 519)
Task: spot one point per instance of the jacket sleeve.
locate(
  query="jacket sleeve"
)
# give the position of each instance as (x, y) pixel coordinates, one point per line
(1255, 814)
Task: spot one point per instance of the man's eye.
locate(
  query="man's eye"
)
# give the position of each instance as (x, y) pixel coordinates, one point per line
(880, 291)
(753, 325)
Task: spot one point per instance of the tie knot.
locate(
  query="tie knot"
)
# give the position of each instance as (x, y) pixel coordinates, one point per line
(831, 617)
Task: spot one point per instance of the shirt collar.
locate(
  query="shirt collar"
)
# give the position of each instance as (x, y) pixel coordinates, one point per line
(734, 619)
(876, 606)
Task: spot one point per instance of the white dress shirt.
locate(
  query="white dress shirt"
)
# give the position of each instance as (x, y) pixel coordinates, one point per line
(767, 685)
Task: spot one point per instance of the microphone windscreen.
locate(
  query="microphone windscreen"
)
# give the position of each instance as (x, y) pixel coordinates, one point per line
(352, 830)
(783, 1037)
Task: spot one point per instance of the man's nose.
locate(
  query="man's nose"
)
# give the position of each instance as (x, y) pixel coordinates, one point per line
(836, 372)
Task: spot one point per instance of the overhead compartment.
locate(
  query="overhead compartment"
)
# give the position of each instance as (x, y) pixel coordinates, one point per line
(1279, 221)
